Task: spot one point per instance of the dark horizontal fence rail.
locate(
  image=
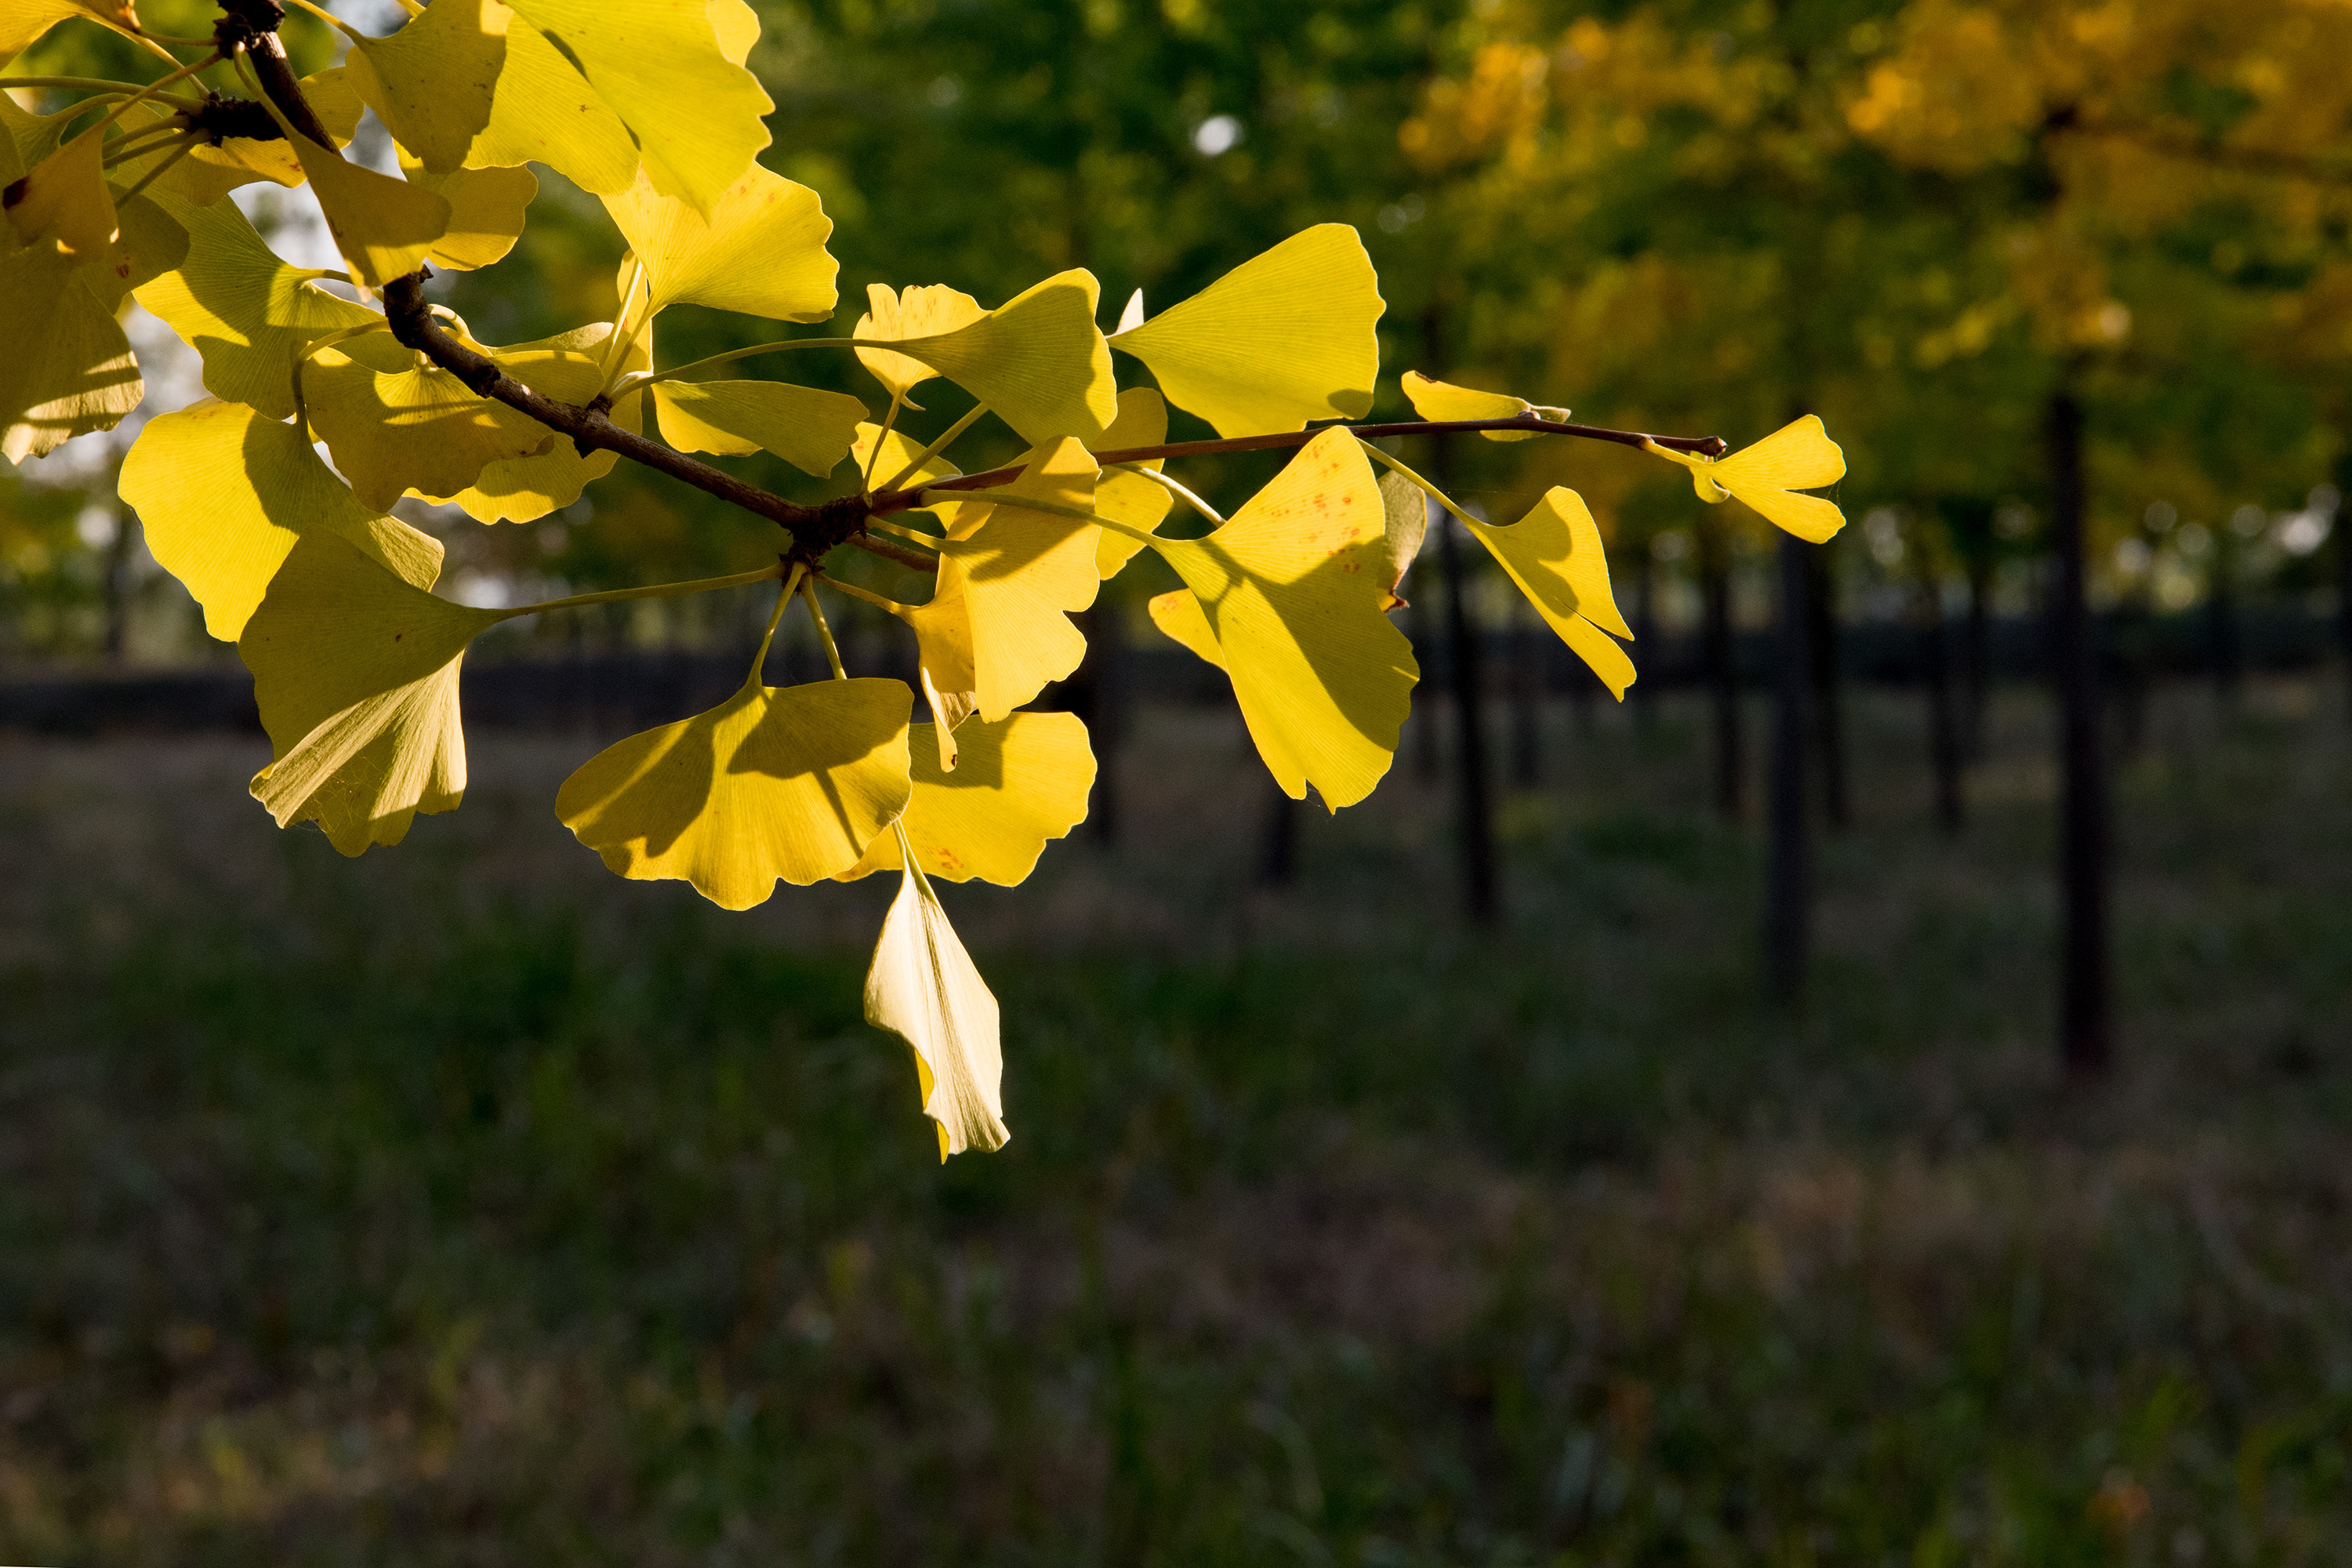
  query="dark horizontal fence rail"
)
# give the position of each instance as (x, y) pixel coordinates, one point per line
(620, 691)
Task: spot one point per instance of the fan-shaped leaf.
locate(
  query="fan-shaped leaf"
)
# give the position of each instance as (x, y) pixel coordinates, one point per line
(923, 311)
(923, 987)
(64, 366)
(1037, 360)
(222, 494)
(756, 247)
(1443, 401)
(246, 311)
(1293, 587)
(355, 671)
(432, 83)
(1554, 555)
(384, 227)
(526, 488)
(487, 211)
(22, 22)
(1799, 456)
(544, 111)
(1020, 573)
(395, 422)
(659, 66)
(810, 428)
(1017, 785)
(66, 201)
(1283, 339)
(789, 783)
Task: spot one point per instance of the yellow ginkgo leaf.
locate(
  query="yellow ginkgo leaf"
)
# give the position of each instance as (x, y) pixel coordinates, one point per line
(659, 66)
(924, 311)
(151, 243)
(808, 427)
(1443, 401)
(1037, 360)
(943, 656)
(1022, 574)
(544, 111)
(384, 227)
(1284, 338)
(334, 97)
(22, 22)
(487, 209)
(1554, 555)
(1797, 456)
(395, 422)
(789, 783)
(924, 989)
(897, 451)
(1293, 587)
(355, 671)
(222, 494)
(1018, 784)
(1406, 511)
(432, 83)
(64, 366)
(26, 138)
(738, 27)
(757, 247)
(1128, 498)
(246, 311)
(66, 201)
(1180, 615)
(526, 488)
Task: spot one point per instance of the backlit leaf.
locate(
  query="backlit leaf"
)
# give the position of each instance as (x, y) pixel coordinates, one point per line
(544, 111)
(1799, 456)
(355, 671)
(1021, 575)
(396, 422)
(246, 311)
(1125, 498)
(1016, 784)
(808, 427)
(1283, 339)
(1554, 555)
(789, 783)
(1406, 511)
(64, 366)
(22, 22)
(432, 83)
(526, 488)
(1037, 360)
(1443, 401)
(922, 311)
(1293, 587)
(658, 65)
(222, 494)
(66, 201)
(487, 211)
(384, 227)
(756, 247)
(1180, 615)
(923, 987)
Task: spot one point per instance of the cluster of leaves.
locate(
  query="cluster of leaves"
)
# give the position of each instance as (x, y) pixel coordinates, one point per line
(646, 103)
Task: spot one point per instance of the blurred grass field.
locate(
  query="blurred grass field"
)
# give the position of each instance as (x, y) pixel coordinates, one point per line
(465, 1205)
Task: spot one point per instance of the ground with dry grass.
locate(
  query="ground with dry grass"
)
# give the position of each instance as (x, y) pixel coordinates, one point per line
(462, 1204)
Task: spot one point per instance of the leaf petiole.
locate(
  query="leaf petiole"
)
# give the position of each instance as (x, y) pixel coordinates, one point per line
(823, 632)
(1180, 491)
(1439, 496)
(935, 448)
(775, 619)
(656, 591)
(898, 401)
(855, 592)
(169, 163)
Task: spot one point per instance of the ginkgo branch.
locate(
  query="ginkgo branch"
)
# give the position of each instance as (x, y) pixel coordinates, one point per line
(651, 591)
